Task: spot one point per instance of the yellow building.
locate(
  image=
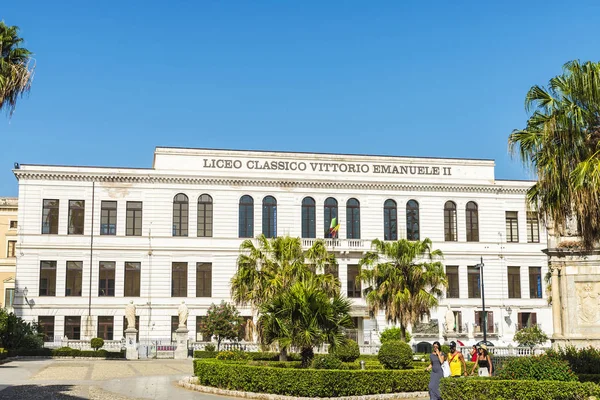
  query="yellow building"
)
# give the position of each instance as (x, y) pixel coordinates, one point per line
(8, 250)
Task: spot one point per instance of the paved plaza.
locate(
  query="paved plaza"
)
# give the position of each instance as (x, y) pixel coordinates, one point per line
(96, 379)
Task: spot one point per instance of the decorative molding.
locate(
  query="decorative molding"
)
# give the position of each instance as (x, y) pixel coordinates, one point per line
(299, 183)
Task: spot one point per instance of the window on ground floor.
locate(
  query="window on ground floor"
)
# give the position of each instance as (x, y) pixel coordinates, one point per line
(46, 327)
(106, 327)
(73, 327)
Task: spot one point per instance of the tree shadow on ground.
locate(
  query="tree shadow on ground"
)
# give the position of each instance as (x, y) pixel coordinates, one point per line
(39, 392)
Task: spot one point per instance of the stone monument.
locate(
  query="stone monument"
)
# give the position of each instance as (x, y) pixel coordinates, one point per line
(575, 289)
(130, 333)
(449, 319)
(181, 334)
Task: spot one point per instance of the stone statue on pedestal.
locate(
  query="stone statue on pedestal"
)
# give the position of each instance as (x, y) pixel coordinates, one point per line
(449, 318)
(130, 315)
(183, 312)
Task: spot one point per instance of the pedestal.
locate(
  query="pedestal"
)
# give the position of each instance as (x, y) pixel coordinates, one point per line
(131, 344)
(181, 349)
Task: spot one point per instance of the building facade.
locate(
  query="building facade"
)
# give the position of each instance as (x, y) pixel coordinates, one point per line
(93, 239)
(8, 245)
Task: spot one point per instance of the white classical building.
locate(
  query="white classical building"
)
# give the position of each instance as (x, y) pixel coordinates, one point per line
(92, 239)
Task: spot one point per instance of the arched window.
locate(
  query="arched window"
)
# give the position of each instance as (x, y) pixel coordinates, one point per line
(246, 217)
(309, 225)
(180, 215)
(269, 217)
(352, 219)
(412, 220)
(205, 216)
(472, 222)
(390, 220)
(450, 226)
(330, 210)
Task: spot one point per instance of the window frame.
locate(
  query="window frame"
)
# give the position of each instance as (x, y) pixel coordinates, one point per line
(133, 218)
(108, 213)
(128, 286)
(352, 218)
(533, 227)
(472, 221)
(205, 216)
(473, 292)
(179, 279)
(390, 220)
(108, 323)
(181, 215)
(11, 249)
(450, 222)
(413, 219)
(50, 266)
(453, 292)
(536, 289)
(512, 226)
(203, 279)
(354, 291)
(330, 211)
(77, 278)
(269, 216)
(44, 324)
(50, 216)
(309, 218)
(513, 277)
(76, 327)
(246, 217)
(76, 211)
(105, 287)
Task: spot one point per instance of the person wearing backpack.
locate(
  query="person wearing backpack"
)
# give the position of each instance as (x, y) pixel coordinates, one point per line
(436, 359)
(457, 362)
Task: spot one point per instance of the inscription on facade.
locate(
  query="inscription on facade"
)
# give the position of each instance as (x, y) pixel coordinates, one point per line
(327, 167)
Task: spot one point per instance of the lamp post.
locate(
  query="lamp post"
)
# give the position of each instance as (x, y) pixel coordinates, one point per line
(480, 266)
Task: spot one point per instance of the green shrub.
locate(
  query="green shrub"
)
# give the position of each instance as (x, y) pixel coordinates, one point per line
(232, 355)
(589, 378)
(537, 368)
(368, 365)
(395, 355)
(277, 364)
(390, 334)
(495, 389)
(530, 336)
(582, 361)
(327, 361)
(347, 352)
(307, 382)
(445, 349)
(96, 343)
(210, 347)
(205, 354)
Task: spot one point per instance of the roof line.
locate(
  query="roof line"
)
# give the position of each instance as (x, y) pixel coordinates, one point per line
(81, 166)
(321, 153)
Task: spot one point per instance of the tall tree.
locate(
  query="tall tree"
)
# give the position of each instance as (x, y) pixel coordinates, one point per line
(16, 71)
(223, 322)
(405, 279)
(304, 316)
(274, 265)
(561, 144)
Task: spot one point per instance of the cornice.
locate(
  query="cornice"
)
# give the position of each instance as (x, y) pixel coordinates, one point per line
(287, 183)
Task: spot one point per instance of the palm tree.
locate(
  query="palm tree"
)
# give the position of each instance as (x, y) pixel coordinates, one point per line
(304, 316)
(273, 266)
(15, 71)
(404, 279)
(561, 144)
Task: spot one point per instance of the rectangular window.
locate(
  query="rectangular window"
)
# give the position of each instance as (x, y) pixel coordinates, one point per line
(105, 327)
(73, 328)
(452, 274)
(108, 218)
(134, 218)
(526, 320)
(354, 284)
(48, 278)
(50, 217)
(76, 217)
(473, 282)
(535, 282)
(512, 227)
(458, 326)
(46, 326)
(9, 297)
(132, 279)
(74, 277)
(106, 284)
(179, 279)
(13, 225)
(174, 326)
(203, 279)
(11, 249)
(479, 321)
(514, 282)
(200, 324)
(137, 326)
(533, 227)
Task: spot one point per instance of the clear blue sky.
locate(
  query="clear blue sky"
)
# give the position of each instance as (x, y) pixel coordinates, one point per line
(114, 79)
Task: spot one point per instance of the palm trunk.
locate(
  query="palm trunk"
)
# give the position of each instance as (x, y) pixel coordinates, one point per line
(307, 354)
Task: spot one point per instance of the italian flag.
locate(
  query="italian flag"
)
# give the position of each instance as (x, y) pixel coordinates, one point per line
(334, 227)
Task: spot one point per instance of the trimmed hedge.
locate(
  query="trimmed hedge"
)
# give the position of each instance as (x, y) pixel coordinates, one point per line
(537, 368)
(252, 355)
(494, 389)
(65, 352)
(589, 378)
(307, 382)
(395, 355)
(346, 352)
(327, 361)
